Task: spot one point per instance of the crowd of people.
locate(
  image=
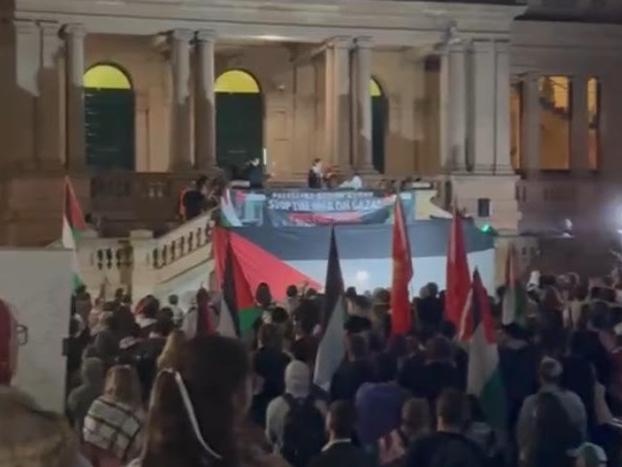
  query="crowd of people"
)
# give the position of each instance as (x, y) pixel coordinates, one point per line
(148, 386)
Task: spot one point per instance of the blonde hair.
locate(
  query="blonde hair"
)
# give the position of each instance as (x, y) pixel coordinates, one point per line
(32, 437)
(172, 353)
(122, 385)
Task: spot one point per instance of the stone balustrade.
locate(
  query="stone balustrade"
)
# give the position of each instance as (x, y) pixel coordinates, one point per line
(142, 263)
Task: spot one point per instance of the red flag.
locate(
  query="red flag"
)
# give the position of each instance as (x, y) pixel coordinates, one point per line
(402, 272)
(457, 274)
(477, 312)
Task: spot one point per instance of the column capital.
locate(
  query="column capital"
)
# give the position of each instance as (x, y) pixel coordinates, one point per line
(206, 35)
(181, 35)
(74, 30)
(364, 42)
(24, 27)
(49, 29)
(340, 42)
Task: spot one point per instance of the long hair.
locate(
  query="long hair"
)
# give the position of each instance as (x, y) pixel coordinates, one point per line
(213, 370)
(122, 385)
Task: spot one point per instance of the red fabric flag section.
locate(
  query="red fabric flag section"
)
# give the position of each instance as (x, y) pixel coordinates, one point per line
(402, 272)
(458, 280)
(72, 209)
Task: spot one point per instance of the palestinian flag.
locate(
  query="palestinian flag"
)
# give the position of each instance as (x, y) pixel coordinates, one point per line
(458, 279)
(73, 226)
(515, 295)
(238, 312)
(402, 272)
(331, 350)
(484, 378)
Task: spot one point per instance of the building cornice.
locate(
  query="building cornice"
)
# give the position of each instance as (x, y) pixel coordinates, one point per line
(386, 22)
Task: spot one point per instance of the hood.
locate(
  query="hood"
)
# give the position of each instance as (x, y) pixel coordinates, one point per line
(93, 371)
(297, 379)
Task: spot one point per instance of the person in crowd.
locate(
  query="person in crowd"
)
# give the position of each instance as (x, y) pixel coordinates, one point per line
(553, 434)
(106, 342)
(198, 411)
(172, 351)
(81, 398)
(114, 422)
(340, 450)
(578, 377)
(33, 437)
(355, 182)
(269, 362)
(305, 345)
(439, 371)
(292, 298)
(518, 362)
(315, 175)
(429, 308)
(550, 373)
(82, 302)
(379, 403)
(480, 432)
(178, 312)
(146, 314)
(355, 371)
(295, 420)
(460, 356)
(126, 321)
(147, 353)
(194, 199)
(29, 435)
(415, 423)
(79, 338)
(447, 447)
(254, 173)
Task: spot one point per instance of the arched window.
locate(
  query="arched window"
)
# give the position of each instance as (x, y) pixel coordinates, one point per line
(379, 117)
(555, 117)
(239, 121)
(109, 118)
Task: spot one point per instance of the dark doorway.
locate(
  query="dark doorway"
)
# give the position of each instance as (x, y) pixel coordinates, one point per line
(109, 118)
(239, 121)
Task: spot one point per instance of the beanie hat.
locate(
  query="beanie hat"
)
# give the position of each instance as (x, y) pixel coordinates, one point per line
(297, 379)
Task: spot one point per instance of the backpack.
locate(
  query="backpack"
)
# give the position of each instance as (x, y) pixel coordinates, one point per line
(303, 432)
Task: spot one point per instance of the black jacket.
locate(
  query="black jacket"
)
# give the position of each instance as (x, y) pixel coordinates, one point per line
(342, 455)
(349, 377)
(445, 450)
(314, 180)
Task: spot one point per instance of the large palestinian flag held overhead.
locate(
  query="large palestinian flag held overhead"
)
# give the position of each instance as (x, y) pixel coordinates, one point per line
(294, 255)
(484, 377)
(73, 226)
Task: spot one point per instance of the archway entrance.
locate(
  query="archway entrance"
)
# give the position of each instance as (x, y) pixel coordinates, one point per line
(109, 118)
(378, 125)
(239, 121)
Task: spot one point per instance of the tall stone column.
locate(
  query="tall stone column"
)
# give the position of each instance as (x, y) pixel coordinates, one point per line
(454, 106)
(76, 133)
(363, 116)
(205, 103)
(530, 160)
(579, 130)
(48, 117)
(341, 105)
(181, 122)
(502, 161)
(338, 103)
